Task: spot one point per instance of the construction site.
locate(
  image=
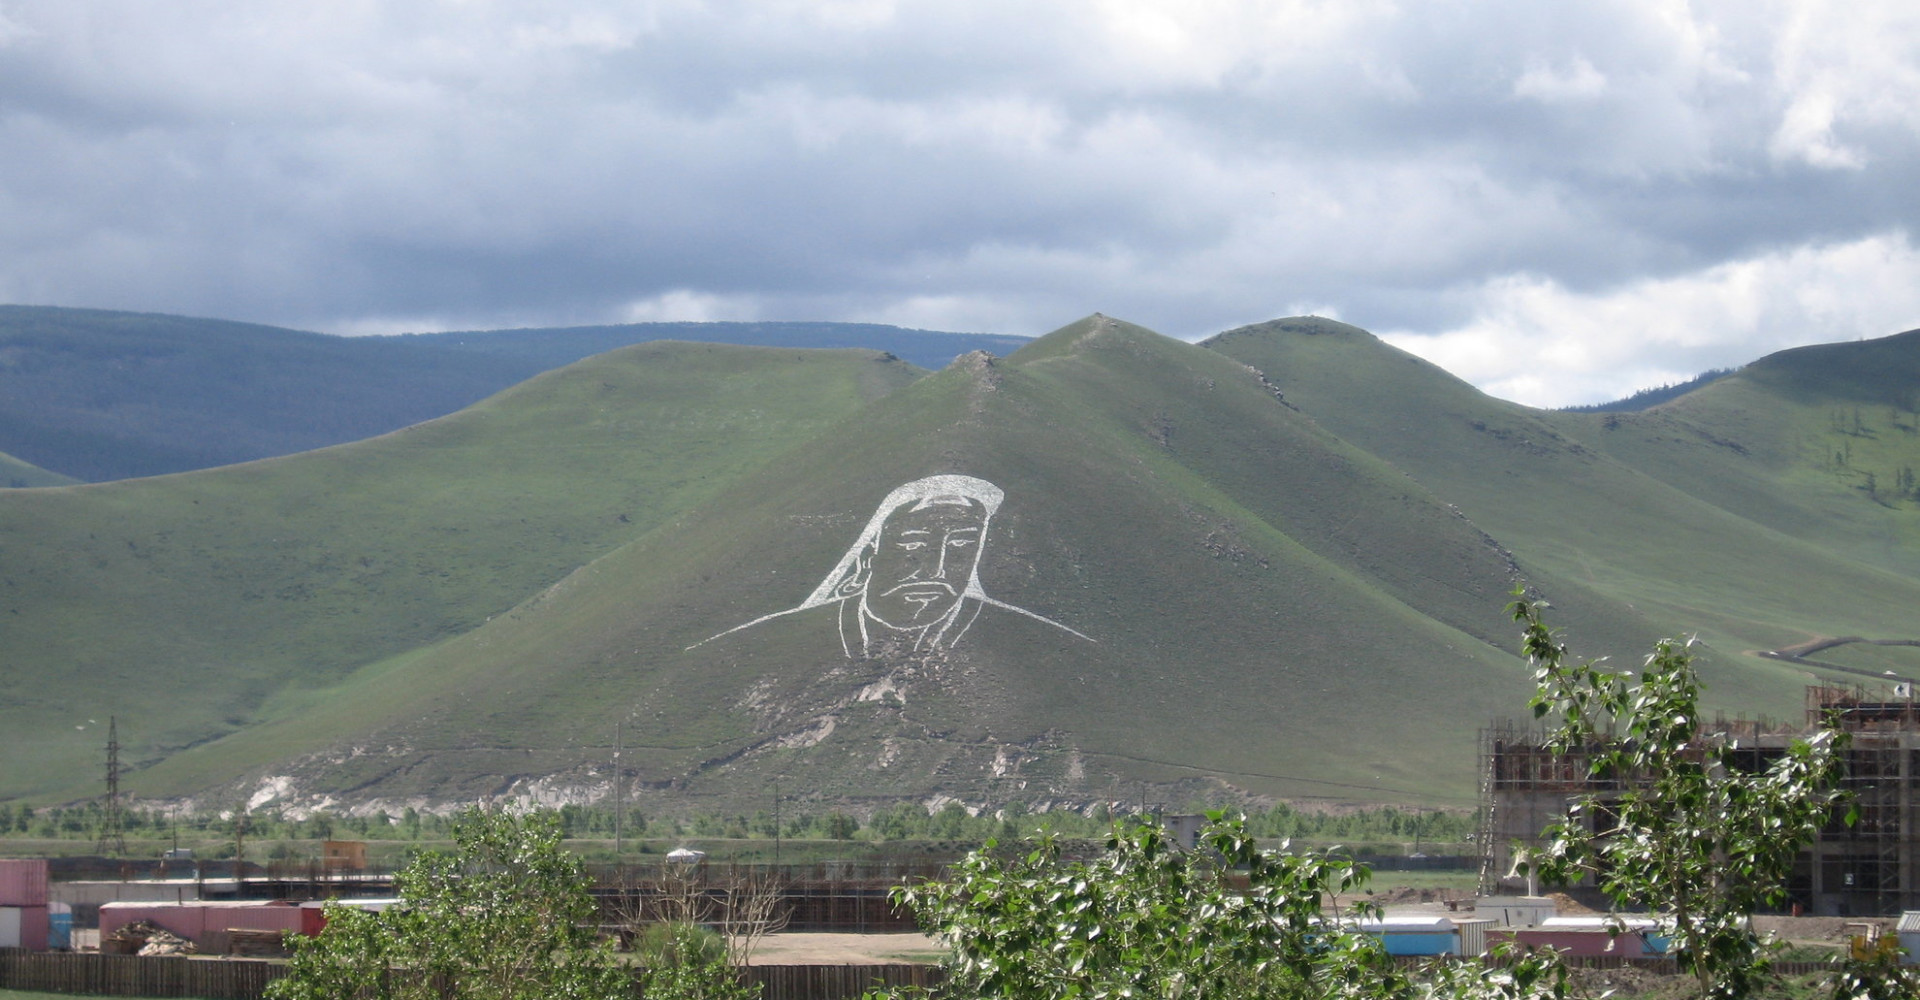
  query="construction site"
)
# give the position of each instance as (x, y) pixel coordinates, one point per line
(1863, 869)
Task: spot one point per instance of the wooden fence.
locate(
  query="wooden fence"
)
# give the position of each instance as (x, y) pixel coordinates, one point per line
(246, 979)
(133, 976)
(230, 979)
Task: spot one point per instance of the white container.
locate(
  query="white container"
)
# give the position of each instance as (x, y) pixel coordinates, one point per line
(1516, 911)
(1473, 934)
(1909, 931)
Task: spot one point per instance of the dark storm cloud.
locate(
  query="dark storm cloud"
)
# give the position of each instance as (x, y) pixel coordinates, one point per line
(1477, 181)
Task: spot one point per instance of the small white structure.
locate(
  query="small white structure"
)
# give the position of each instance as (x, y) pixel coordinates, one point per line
(1473, 934)
(1909, 930)
(1516, 911)
(686, 856)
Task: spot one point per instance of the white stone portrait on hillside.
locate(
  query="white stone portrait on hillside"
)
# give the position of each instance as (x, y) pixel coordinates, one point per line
(911, 580)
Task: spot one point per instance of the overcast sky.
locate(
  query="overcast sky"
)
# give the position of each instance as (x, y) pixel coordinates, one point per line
(1559, 202)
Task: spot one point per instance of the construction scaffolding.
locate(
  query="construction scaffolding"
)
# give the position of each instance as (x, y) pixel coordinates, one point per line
(1866, 868)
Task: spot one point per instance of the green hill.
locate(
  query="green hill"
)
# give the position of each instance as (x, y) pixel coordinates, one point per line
(1271, 564)
(15, 474)
(1818, 443)
(1678, 535)
(184, 603)
(1156, 495)
(98, 395)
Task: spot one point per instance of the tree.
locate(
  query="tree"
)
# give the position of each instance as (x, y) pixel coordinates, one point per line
(1145, 919)
(694, 929)
(1687, 833)
(507, 916)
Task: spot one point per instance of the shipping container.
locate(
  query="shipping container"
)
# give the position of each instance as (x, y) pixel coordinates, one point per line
(23, 881)
(1623, 936)
(59, 926)
(23, 927)
(313, 916)
(205, 923)
(1413, 933)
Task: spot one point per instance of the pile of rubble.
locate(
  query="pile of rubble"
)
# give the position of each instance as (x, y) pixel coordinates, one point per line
(144, 937)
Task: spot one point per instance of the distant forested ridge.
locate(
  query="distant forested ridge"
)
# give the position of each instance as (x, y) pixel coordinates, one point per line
(98, 395)
(1647, 398)
(558, 346)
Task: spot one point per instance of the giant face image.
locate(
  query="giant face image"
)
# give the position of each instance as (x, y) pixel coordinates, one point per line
(922, 560)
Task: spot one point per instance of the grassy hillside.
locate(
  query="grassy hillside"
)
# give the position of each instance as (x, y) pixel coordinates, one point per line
(15, 474)
(1279, 559)
(1221, 551)
(184, 603)
(99, 395)
(1819, 443)
(1580, 519)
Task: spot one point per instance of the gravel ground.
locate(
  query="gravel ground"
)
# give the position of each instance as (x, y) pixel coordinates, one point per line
(845, 949)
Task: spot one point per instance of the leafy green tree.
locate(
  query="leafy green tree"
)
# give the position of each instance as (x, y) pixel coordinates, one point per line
(1687, 833)
(506, 916)
(840, 826)
(1145, 919)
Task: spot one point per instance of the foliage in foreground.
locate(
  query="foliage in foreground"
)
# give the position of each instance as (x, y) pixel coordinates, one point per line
(507, 916)
(1684, 830)
(1145, 919)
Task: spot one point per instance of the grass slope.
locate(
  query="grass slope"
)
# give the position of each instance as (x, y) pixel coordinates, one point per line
(1819, 443)
(1287, 549)
(182, 604)
(15, 475)
(1215, 545)
(1635, 551)
(99, 395)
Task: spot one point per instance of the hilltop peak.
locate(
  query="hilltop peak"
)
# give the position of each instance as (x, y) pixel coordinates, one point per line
(1881, 370)
(1308, 326)
(1097, 330)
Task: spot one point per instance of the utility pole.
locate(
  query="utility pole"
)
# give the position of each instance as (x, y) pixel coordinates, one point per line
(776, 821)
(113, 834)
(242, 822)
(619, 789)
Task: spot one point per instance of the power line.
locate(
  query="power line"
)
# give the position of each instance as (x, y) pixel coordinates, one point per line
(113, 833)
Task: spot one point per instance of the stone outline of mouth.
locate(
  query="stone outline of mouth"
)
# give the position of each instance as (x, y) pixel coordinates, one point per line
(910, 584)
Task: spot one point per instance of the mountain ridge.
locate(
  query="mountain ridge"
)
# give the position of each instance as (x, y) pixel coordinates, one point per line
(100, 395)
(1279, 546)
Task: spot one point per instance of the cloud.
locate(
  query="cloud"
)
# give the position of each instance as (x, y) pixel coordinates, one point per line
(1532, 340)
(1577, 80)
(991, 165)
(683, 306)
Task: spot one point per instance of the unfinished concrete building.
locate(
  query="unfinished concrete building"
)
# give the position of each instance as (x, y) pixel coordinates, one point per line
(1868, 868)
